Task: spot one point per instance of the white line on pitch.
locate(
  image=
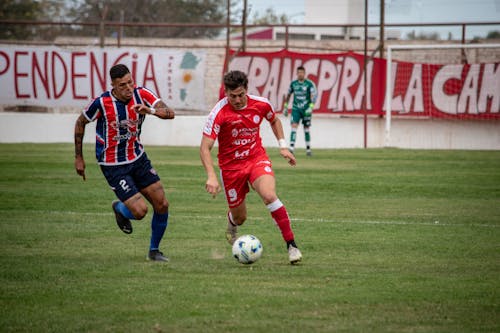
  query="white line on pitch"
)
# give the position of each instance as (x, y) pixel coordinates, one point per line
(316, 220)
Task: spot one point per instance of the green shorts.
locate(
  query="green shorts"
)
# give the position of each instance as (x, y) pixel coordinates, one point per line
(298, 115)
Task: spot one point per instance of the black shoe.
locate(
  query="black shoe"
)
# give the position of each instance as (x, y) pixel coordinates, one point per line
(122, 222)
(156, 255)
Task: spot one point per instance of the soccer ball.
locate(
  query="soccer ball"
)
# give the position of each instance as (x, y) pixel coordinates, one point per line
(247, 249)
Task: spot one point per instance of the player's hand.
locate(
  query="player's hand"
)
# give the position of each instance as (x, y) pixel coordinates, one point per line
(80, 166)
(212, 186)
(288, 156)
(141, 109)
(285, 109)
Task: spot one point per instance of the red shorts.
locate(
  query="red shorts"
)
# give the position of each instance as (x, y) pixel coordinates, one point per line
(236, 182)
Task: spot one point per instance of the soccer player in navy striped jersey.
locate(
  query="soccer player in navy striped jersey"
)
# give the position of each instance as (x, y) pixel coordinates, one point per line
(120, 113)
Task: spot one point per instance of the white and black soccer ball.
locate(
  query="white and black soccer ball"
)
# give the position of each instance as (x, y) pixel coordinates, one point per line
(247, 249)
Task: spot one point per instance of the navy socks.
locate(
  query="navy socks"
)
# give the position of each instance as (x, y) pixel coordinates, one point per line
(158, 225)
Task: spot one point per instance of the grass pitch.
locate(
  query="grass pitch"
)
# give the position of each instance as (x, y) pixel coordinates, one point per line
(393, 241)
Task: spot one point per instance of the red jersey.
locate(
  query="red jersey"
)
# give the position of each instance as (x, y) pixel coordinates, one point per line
(118, 126)
(238, 131)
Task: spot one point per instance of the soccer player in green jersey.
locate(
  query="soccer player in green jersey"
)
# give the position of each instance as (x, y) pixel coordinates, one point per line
(304, 96)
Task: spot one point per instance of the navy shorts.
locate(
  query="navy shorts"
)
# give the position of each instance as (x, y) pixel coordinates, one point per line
(128, 179)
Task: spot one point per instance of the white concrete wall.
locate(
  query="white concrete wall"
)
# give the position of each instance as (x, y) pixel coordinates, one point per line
(327, 132)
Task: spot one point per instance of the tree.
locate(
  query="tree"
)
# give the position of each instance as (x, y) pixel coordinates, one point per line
(495, 34)
(423, 36)
(18, 10)
(153, 11)
(145, 11)
(41, 10)
(269, 17)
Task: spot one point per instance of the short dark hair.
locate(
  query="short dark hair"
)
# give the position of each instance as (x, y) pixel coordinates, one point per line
(235, 79)
(118, 71)
(301, 68)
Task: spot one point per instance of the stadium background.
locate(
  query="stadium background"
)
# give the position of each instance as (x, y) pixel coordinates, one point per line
(330, 131)
(395, 240)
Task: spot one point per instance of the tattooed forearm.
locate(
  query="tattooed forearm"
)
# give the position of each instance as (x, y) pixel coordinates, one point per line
(79, 133)
(165, 111)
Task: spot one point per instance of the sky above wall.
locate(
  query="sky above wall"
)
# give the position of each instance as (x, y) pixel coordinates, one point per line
(404, 11)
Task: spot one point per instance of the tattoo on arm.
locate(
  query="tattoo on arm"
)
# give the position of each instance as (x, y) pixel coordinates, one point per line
(169, 113)
(161, 104)
(79, 133)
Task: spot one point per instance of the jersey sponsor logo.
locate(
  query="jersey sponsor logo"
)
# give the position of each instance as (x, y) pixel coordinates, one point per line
(129, 124)
(125, 137)
(243, 136)
(241, 155)
(269, 115)
(241, 142)
(247, 131)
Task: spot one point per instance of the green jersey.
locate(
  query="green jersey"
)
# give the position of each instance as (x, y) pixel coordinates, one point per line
(304, 93)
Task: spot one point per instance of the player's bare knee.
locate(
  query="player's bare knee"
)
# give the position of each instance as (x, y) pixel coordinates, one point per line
(268, 199)
(162, 207)
(140, 211)
(239, 219)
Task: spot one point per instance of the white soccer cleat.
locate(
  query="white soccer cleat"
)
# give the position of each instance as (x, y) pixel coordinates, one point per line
(294, 255)
(231, 233)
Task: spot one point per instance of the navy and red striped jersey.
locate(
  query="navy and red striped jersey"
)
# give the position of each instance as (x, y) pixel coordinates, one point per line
(118, 127)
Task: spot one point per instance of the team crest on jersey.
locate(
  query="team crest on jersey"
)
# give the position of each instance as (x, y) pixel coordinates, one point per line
(256, 119)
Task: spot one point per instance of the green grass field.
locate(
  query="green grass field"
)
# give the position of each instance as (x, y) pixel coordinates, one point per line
(393, 241)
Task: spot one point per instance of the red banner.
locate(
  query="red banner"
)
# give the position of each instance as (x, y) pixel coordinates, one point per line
(429, 90)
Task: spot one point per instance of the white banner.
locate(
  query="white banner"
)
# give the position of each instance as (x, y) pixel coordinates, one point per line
(59, 77)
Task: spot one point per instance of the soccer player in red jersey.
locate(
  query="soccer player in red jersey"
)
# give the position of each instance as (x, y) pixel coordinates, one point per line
(235, 123)
(120, 113)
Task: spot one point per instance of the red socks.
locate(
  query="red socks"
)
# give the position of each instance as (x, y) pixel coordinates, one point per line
(280, 216)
